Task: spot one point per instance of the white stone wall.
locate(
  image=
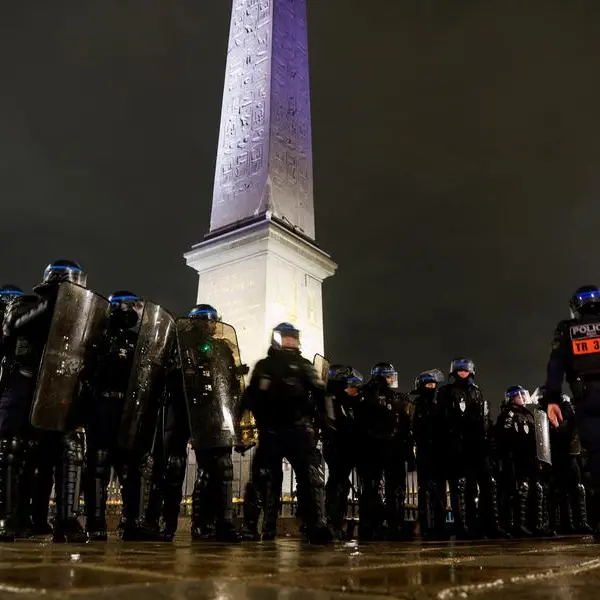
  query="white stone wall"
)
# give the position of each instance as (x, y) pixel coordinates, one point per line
(238, 292)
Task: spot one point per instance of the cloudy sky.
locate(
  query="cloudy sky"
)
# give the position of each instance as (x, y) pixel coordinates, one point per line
(456, 163)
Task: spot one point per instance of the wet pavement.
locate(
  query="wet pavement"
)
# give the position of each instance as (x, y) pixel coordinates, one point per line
(565, 569)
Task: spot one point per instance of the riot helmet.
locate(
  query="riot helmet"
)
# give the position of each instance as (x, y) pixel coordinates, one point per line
(349, 375)
(8, 293)
(462, 367)
(285, 337)
(206, 313)
(517, 395)
(126, 308)
(63, 270)
(585, 300)
(430, 379)
(385, 371)
(338, 372)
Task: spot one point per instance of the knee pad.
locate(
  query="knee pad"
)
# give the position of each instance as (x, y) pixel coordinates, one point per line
(73, 449)
(175, 471)
(202, 478)
(99, 463)
(461, 485)
(224, 466)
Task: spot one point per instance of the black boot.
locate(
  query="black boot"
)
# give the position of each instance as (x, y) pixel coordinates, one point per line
(459, 509)
(96, 481)
(68, 485)
(520, 529)
(581, 522)
(10, 469)
(173, 485)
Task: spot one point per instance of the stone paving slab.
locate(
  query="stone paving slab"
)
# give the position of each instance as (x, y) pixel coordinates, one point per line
(565, 569)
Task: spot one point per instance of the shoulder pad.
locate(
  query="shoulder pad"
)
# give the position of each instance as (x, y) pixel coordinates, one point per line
(21, 306)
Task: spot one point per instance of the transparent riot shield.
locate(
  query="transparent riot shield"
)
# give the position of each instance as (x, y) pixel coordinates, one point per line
(321, 365)
(542, 435)
(78, 321)
(146, 382)
(213, 385)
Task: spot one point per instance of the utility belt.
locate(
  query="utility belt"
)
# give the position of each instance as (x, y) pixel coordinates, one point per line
(583, 386)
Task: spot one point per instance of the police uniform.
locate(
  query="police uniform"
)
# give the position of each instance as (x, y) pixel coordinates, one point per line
(575, 356)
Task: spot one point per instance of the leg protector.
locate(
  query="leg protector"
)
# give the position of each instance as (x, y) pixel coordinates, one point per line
(136, 486)
(222, 486)
(202, 510)
(521, 511)
(26, 489)
(489, 510)
(313, 494)
(272, 503)
(174, 476)
(42, 479)
(541, 528)
(68, 487)
(10, 467)
(459, 507)
(252, 507)
(581, 521)
(425, 508)
(97, 477)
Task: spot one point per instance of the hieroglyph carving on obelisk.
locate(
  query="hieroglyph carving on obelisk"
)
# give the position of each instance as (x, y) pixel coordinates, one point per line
(264, 158)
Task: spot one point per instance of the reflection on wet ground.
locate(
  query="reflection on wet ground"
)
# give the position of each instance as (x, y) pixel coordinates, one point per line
(565, 569)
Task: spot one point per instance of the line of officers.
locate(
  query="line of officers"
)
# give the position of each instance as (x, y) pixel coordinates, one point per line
(90, 384)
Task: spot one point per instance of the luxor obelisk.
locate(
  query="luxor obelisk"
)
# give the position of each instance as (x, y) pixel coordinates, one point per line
(259, 264)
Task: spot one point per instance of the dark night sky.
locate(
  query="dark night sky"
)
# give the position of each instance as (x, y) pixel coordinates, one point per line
(456, 160)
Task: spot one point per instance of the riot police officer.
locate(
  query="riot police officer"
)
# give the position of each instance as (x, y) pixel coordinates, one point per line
(340, 447)
(469, 446)
(384, 416)
(575, 356)
(283, 394)
(8, 468)
(428, 428)
(33, 325)
(569, 496)
(212, 389)
(523, 444)
(109, 382)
